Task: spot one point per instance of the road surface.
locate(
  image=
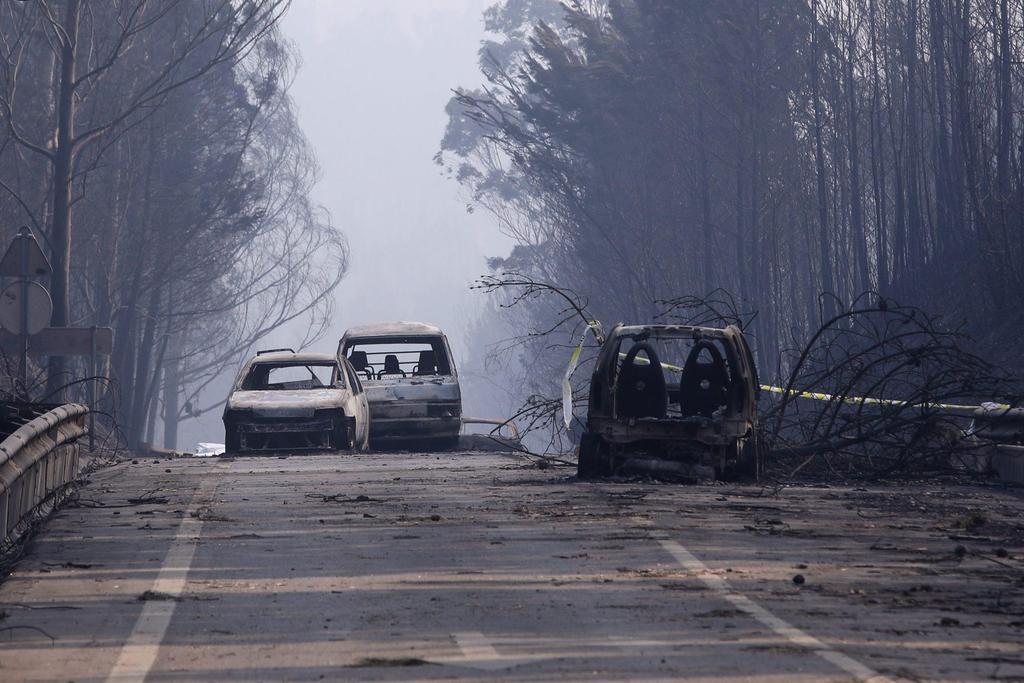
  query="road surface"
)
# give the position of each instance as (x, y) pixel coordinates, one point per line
(478, 567)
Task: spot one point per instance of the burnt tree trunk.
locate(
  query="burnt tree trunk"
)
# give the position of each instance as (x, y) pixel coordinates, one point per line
(171, 392)
(63, 171)
(824, 238)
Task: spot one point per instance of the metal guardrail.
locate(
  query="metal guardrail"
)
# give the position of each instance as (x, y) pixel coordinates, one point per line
(38, 461)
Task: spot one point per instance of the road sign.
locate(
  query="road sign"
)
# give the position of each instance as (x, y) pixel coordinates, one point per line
(35, 259)
(39, 308)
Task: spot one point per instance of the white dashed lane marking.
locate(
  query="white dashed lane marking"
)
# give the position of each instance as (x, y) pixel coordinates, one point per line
(140, 650)
(779, 626)
(479, 653)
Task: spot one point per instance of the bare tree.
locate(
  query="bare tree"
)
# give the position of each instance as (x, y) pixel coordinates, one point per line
(106, 52)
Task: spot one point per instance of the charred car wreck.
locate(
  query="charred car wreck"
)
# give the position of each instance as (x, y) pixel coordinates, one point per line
(411, 384)
(287, 401)
(673, 401)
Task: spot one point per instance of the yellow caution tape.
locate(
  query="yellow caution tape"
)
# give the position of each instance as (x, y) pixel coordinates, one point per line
(866, 400)
(850, 400)
(567, 410)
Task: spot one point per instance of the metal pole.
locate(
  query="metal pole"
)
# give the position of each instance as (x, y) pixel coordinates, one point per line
(23, 236)
(93, 389)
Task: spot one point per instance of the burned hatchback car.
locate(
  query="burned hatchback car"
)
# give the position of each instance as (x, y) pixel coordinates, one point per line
(411, 383)
(673, 401)
(287, 401)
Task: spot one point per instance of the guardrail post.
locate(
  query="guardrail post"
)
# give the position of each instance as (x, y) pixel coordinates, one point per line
(92, 389)
(5, 498)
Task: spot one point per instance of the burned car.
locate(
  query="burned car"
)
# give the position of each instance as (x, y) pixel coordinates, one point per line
(672, 401)
(287, 401)
(411, 383)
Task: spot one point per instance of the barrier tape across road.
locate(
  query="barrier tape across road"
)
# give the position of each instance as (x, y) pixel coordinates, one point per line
(866, 400)
(965, 410)
(854, 400)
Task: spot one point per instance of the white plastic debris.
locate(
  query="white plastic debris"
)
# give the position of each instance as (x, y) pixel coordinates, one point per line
(209, 450)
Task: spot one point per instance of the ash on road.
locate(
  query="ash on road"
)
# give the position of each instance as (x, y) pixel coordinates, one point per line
(469, 566)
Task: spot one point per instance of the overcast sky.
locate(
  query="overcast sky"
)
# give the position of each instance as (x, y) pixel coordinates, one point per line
(371, 92)
(370, 96)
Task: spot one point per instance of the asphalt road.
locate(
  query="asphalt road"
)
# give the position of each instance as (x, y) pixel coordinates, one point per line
(470, 566)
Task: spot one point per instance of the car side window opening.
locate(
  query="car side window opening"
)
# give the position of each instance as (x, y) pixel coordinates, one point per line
(382, 358)
(291, 376)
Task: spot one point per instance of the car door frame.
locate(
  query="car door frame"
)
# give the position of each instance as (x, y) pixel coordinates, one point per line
(357, 406)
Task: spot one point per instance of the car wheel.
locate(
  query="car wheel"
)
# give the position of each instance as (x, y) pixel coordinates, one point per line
(750, 457)
(344, 438)
(742, 460)
(594, 460)
(232, 443)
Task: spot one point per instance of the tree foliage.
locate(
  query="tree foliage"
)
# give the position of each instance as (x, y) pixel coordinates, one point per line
(643, 150)
(187, 224)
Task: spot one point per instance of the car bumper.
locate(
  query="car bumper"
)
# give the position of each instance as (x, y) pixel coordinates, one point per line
(692, 430)
(249, 434)
(414, 420)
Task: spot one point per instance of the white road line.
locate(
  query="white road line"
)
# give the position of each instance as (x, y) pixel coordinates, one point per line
(140, 650)
(781, 627)
(478, 652)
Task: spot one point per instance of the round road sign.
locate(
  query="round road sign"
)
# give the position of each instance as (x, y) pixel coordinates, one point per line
(40, 308)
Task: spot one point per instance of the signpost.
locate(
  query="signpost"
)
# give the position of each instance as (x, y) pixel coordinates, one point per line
(25, 306)
(25, 311)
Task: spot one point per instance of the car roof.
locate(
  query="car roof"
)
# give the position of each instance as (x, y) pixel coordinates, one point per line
(300, 357)
(395, 329)
(668, 330)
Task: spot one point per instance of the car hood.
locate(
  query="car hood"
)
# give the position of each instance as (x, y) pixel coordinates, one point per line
(300, 402)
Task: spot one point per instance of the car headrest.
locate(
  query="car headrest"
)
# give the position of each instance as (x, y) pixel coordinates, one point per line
(703, 386)
(640, 390)
(359, 360)
(427, 364)
(391, 365)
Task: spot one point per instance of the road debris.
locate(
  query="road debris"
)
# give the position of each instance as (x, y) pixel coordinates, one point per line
(157, 595)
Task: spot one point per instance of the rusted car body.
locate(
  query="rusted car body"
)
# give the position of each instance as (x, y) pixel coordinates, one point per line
(674, 401)
(411, 383)
(287, 401)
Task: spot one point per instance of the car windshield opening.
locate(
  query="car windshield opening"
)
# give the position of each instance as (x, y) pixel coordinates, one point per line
(289, 376)
(400, 357)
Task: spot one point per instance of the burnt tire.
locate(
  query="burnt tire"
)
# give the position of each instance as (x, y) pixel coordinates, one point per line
(743, 461)
(750, 458)
(343, 438)
(594, 460)
(232, 442)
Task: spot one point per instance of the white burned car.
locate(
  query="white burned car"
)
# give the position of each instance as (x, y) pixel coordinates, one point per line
(410, 381)
(287, 401)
